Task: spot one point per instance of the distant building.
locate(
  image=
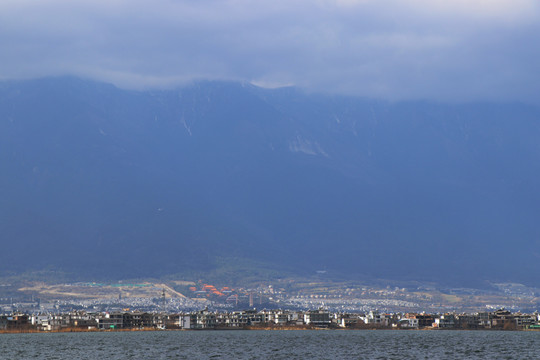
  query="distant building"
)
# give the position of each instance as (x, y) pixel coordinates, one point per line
(111, 321)
(408, 323)
(319, 318)
(445, 321)
(15, 322)
(203, 319)
(502, 319)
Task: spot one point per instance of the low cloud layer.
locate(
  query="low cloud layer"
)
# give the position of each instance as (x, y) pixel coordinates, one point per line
(393, 49)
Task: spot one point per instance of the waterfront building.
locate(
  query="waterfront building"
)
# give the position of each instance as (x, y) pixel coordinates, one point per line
(447, 321)
(319, 318)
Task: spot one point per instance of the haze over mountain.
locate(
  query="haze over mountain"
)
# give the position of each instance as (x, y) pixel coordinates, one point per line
(101, 181)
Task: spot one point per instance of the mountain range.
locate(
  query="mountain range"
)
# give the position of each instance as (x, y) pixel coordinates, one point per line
(104, 182)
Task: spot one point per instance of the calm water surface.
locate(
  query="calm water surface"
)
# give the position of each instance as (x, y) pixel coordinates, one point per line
(273, 345)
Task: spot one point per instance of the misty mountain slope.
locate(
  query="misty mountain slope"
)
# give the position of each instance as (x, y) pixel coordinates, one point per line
(100, 181)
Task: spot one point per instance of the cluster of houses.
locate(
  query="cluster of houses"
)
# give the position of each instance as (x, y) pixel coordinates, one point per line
(321, 318)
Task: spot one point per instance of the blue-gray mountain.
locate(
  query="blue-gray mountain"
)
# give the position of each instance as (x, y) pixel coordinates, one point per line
(98, 180)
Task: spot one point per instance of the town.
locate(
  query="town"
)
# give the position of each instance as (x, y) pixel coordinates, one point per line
(253, 319)
(289, 303)
(182, 296)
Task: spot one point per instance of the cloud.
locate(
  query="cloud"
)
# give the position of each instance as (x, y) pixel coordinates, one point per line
(498, 10)
(446, 50)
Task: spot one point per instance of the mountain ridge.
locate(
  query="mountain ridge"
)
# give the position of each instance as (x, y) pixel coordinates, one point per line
(99, 179)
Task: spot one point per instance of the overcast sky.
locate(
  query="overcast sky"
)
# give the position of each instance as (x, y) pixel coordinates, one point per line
(444, 50)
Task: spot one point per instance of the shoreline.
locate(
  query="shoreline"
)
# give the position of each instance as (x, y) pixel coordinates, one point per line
(265, 328)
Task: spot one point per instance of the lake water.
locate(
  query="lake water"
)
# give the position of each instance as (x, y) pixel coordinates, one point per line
(360, 344)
